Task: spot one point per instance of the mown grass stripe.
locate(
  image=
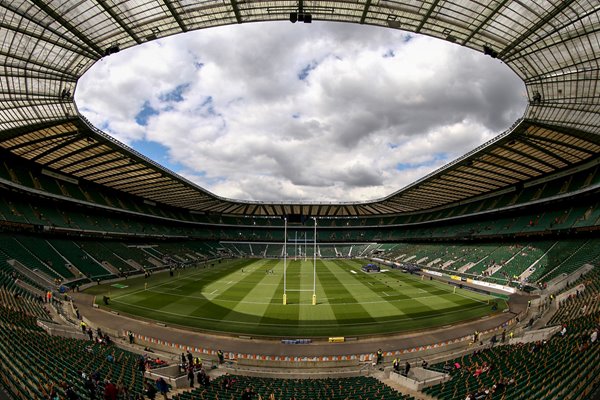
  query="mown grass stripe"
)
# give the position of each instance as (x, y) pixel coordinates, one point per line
(277, 312)
(335, 290)
(249, 305)
(372, 289)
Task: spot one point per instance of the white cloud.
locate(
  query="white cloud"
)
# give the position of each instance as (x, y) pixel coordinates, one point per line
(229, 105)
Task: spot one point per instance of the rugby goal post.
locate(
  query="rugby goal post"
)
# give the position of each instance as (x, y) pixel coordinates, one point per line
(314, 288)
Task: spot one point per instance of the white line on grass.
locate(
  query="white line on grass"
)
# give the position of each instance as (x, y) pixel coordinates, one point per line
(160, 284)
(187, 316)
(444, 287)
(320, 303)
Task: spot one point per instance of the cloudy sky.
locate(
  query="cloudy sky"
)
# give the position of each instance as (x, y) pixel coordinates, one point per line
(301, 112)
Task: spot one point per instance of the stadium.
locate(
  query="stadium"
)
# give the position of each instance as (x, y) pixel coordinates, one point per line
(121, 278)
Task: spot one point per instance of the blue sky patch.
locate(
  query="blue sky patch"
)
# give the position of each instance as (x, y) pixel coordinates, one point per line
(304, 72)
(145, 113)
(412, 165)
(156, 152)
(176, 94)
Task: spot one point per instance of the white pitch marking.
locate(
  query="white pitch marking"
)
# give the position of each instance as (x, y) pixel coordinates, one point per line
(386, 295)
(278, 325)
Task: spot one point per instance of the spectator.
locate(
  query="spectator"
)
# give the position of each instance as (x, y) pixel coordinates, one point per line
(162, 387)
(379, 356)
(447, 367)
(493, 340)
(498, 386)
(141, 364)
(190, 375)
(122, 392)
(131, 337)
(396, 365)
(96, 377)
(247, 394)
(150, 391)
(110, 391)
(221, 356)
(206, 382)
(91, 387)
(71, 394)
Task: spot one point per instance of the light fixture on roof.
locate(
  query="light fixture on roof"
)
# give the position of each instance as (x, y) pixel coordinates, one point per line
(300, 15)
(488, 51)
(154, 35)
(65, 94)
(112, 49)
(449, 36)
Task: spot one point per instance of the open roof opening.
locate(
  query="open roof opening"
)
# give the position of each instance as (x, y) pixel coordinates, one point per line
(319, 112)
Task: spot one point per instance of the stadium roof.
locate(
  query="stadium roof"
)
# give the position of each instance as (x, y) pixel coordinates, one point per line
(554, 46)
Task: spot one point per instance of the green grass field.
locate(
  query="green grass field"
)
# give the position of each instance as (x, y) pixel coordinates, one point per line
(241, 297)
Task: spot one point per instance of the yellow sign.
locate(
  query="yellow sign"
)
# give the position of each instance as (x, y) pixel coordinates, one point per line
(338, 339)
